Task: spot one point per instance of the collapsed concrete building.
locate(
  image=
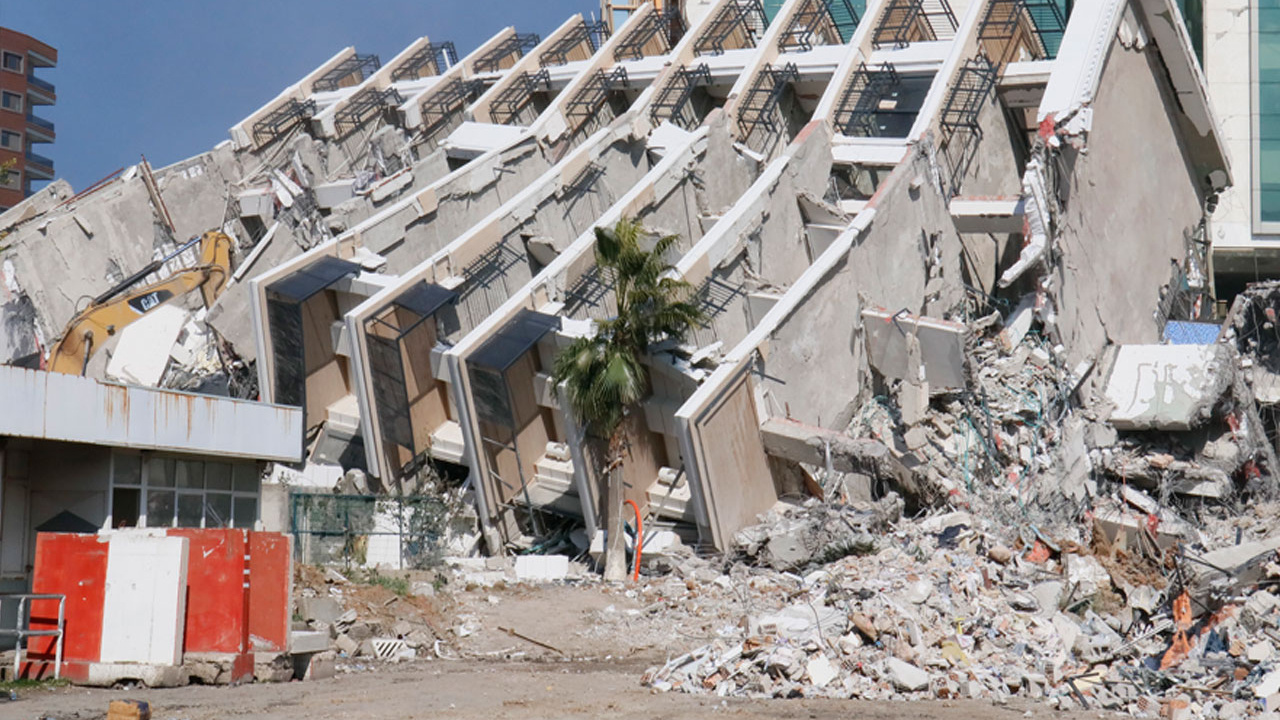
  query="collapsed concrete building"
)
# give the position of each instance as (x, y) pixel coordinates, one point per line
(855, 193)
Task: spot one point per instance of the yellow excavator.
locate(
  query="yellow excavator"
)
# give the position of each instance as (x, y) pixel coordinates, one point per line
(120, 306)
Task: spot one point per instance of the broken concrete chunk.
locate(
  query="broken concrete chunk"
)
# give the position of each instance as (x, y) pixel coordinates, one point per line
(941, 347)
(541, 568)
(1167, 387)
(905, 676)
(821, 671)
(320, 610)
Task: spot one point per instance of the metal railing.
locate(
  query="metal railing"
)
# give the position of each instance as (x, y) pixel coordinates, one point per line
(595, 93)
(19, 633)
(442, 110)
(506, 107)
(283, 119)
(438, 57)
(906, 21)
(514, 46)
(821, 22)
(739, 24)
(856, 114)
(364, 106)
(39, 160)
(584, 34)
(632, 47)
(44, 85)
(760, 103)
(345, 73)
(673, 100)
(39, 122)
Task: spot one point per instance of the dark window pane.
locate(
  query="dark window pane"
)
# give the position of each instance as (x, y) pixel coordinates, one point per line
(160, 508)
(217, 476)
(217, 510)
(124, 507)
(246, 512)
(1268, 16)
(246, 477)
(160, 472)
(190, 510)
(190, 474)
(127, 469)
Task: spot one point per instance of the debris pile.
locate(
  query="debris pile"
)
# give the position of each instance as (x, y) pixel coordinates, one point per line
(1098, 535)
(384, 620)
(943, 608)
(1005, 438)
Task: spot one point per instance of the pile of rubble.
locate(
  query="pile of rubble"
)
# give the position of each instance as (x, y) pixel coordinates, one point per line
(362, 624)
(1095, 535)
(943, 608)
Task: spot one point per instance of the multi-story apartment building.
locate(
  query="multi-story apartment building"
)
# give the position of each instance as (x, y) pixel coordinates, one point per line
(20, 127)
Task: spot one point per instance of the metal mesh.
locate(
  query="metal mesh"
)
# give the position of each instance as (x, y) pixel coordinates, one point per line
(355, 530)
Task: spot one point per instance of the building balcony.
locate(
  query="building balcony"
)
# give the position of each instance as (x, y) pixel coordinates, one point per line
(41, 83)
(39, 167)
(41, 60)
(40, 126)
(40, 92)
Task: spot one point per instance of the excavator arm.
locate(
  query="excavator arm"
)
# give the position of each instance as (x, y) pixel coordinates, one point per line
(114, 310)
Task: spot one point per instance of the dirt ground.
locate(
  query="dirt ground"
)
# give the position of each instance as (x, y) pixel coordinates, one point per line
(481, 689)
(602, 639)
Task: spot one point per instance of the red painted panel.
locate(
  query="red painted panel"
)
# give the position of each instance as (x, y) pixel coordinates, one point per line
(76, 566)
(215, 590)
(270, 587)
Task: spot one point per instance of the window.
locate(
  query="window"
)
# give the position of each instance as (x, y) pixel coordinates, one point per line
(1193, 18)
(11, 101)
(11, 179)
(157, 491)
(13, 61)
(1266, 79)
(10, 140)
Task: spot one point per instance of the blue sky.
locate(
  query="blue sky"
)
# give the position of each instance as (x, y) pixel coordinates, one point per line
(166, 78)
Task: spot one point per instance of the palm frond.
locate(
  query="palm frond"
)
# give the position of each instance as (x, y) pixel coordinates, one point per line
(605, 374)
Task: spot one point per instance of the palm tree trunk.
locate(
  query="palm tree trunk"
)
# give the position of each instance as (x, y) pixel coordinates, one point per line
(615, 555)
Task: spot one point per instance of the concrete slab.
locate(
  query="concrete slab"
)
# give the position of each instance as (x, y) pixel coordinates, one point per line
(541, 568)
(142, 352)
(472, 139)
(1166, 387)
(987, 214)
(308, 641)
(941, 347)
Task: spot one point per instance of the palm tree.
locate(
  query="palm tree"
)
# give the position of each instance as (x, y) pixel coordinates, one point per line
(604, 374)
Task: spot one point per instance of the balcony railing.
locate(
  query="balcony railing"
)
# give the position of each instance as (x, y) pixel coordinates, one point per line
(39, 122)
(35, 159)
(39, 84)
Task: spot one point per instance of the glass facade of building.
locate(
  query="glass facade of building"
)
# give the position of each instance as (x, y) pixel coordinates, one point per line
(1266, 104)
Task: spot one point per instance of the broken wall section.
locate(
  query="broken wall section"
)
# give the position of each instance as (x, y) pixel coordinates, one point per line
(1120, 224)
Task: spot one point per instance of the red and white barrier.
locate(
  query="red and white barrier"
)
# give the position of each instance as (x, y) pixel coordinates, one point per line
(140, 601)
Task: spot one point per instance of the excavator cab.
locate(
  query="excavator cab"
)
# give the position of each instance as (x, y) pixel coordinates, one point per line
(125, 303)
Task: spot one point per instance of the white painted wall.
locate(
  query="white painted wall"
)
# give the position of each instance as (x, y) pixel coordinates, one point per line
(145, 604)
